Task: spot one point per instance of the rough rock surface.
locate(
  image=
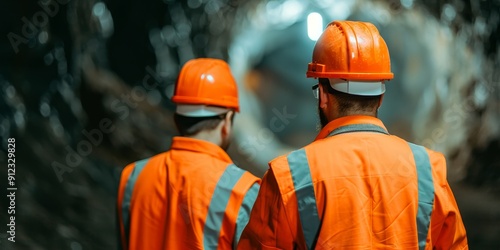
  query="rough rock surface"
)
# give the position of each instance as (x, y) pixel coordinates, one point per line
(106, 68)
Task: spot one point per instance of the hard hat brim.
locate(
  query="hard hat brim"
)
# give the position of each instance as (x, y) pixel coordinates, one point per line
(362, 88)
(200, 110)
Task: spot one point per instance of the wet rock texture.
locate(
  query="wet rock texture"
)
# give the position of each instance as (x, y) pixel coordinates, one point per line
(84, 89)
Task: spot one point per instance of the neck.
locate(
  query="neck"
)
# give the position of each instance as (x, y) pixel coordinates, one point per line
(364, 113)
(209, 136)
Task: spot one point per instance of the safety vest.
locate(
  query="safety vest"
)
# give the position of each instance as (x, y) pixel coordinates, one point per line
(356, 187)
(190, 197)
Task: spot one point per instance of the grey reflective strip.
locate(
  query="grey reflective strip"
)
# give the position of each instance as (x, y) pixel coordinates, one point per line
(244, 212)
(304, 190)
(218, 203)
(127, 196)
(425, 192)
(358, 128)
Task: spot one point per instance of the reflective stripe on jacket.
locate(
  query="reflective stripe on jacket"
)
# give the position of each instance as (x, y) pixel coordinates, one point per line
(190, 197)
(356, 187)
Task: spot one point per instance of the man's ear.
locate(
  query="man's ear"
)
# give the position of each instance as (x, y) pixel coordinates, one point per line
(380, 101)
(227, 123)
(323, 97)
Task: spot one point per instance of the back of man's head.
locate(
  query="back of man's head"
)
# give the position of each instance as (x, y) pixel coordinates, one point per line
(191, 126)
(352, 63)
(348, 104)
(206, 95)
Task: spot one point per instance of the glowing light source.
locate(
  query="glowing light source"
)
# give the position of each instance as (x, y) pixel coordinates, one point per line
(407, 3)
(99, 9)
(314, 25)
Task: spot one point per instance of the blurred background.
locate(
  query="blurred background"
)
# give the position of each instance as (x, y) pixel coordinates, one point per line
(85, 88)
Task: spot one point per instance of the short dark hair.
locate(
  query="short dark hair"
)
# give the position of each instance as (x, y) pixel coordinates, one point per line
(188, 126)
(348, 103)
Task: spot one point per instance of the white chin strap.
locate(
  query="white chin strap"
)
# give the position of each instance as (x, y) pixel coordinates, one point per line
(200, 110)
(368, 88)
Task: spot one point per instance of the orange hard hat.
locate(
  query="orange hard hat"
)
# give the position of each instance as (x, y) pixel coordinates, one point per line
(205, 87)
(351, 50)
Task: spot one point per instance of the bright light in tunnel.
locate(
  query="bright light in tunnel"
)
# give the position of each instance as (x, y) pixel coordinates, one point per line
(314, 25)
(407, 3)
(99, 9)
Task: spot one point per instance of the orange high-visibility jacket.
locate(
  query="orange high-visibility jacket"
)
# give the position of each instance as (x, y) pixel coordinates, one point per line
(356, 187)
(190, 197)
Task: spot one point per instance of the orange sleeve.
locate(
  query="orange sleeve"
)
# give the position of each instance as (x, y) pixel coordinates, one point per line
(268, 226)
(121, 190)
(447, 229)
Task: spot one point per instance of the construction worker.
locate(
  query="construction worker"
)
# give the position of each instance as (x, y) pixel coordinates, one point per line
(192, 196)
(356, 186)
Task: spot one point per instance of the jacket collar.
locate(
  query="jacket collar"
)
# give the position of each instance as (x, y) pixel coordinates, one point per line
(348, 120)
(199, 146)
